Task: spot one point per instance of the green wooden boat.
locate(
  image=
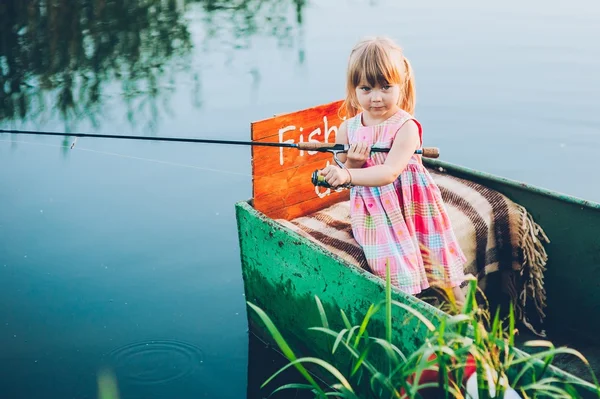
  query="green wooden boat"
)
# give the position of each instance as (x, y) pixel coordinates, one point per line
(283, 270)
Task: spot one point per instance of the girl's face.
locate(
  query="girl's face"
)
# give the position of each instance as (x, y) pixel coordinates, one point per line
(378, 101)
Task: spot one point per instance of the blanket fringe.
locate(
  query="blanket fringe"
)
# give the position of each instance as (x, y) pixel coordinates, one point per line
(530, 277)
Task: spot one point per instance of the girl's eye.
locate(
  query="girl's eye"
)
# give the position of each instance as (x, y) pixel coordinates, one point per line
(365, 88)
(387, 87)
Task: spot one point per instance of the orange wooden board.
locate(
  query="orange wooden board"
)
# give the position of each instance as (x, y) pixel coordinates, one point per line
(281, 177)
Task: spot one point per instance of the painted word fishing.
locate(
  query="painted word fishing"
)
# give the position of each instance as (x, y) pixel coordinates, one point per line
(328, 130)
(311, 137)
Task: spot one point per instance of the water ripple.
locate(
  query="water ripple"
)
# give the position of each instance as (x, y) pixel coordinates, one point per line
(156, 361)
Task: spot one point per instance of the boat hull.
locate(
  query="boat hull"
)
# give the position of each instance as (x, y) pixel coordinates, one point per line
(284, 271)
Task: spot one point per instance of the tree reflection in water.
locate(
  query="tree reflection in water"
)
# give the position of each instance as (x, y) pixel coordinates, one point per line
(61, 59)
(58, 56)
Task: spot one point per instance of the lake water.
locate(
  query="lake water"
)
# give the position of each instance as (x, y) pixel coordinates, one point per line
(125, 253)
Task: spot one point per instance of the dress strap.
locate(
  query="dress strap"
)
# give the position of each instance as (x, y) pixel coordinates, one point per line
(420, 130)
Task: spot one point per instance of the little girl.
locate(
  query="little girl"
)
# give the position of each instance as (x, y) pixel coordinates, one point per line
(395, 206)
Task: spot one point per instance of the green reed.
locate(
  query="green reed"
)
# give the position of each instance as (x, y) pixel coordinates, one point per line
(107, 385)
(467, 331)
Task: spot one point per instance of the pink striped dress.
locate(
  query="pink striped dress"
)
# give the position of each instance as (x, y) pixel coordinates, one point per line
(390, 221)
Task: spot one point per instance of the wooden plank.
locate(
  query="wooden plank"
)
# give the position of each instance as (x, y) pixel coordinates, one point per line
(281, 177)
(307, 207)
(288, 181)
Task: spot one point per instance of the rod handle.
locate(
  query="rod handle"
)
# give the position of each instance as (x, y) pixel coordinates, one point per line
(323, 147)
(431, 152)
(427, 152)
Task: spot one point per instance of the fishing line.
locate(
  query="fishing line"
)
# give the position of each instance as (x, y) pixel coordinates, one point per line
(148, 138)
(334, 148)
(71, 147)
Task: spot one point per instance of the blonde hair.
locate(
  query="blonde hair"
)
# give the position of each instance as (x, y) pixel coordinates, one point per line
(378, 60)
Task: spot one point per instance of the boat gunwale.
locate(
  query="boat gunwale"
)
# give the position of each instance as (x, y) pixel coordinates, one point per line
(457, 170)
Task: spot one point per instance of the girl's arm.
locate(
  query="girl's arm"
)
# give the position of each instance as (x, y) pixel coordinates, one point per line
(356, 155)
(405, 143)
(341, 137)
(407, 140)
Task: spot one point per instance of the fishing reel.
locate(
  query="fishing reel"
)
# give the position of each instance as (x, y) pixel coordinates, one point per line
(318, 180)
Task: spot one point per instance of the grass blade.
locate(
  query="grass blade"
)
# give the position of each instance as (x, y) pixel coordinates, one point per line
(107, 385)
(388, 303)
(417, 314)
(292, 386)
(283, 345)
(511, 324)
(372, 310)
(360, 360)
(350, 348)
(331, 369)
(351, 334)
(392, 349)
(338, 339)
(322, 312)
(345, 319)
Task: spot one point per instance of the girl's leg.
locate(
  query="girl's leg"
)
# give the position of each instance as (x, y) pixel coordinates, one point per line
(459, 296)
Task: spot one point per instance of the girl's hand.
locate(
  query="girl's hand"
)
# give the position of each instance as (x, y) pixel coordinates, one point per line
(336, 176)
(358, 154)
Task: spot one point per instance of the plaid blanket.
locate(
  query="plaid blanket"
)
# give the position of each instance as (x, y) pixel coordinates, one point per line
(496, 235)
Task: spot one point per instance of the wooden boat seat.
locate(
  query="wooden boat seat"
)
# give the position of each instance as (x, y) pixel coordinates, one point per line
(499, 238)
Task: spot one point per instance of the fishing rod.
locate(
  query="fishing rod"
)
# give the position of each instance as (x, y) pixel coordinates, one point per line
(335, 149)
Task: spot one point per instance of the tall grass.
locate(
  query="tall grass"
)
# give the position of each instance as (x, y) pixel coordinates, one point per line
(465, 340)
